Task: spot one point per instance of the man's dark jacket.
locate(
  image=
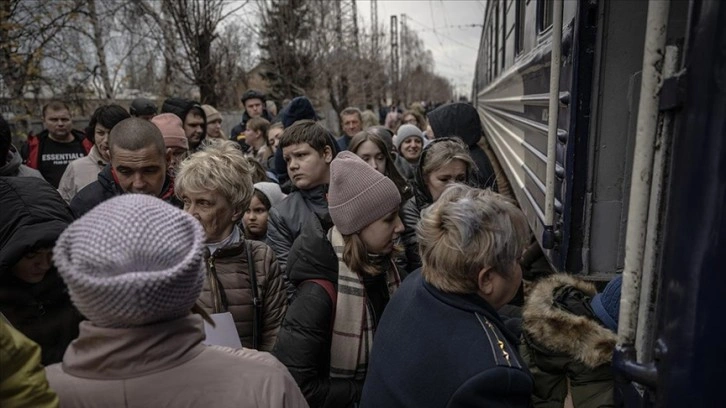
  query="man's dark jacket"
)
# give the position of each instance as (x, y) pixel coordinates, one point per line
(106, 187)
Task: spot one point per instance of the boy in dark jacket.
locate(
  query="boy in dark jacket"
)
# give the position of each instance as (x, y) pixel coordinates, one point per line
(308, 150)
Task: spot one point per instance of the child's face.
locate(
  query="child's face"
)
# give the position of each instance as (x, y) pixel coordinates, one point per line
(32, 267)
(307, 167)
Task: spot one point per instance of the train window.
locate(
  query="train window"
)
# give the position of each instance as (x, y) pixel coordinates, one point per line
(544, 14)
(519, 29)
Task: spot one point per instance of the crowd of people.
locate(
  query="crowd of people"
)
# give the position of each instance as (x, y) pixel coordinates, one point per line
(368, 268)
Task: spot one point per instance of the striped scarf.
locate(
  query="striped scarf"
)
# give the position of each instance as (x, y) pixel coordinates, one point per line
(353, 327)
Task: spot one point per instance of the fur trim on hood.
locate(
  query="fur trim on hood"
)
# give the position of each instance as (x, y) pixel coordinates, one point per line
(560, 331)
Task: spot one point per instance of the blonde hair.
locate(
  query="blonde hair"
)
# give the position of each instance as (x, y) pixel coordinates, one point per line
(466, 230)
(444, 151)
(220, 166)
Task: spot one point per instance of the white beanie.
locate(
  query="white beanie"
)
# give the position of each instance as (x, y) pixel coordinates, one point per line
(271, 190)
(406, 131)
(131, 261)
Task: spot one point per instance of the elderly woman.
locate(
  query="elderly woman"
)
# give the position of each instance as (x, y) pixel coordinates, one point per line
(328, 331)
(443, 161)
(441, 342)
(242, 277)
(372, 149)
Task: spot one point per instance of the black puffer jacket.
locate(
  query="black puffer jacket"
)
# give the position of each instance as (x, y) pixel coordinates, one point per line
(303, 343)
(287, 218)
(33, 217)
(411, 210)
(462, 120)
(105, 187)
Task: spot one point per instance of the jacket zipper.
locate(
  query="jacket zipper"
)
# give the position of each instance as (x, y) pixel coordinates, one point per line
(214, 286)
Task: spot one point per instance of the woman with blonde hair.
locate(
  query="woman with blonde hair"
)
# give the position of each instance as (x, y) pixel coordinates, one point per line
(328, 331)
(443, 161)
(373, 150)
(442, 342)
(242, 276)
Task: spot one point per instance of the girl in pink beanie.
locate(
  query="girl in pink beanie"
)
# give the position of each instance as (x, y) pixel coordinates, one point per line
(363, 205)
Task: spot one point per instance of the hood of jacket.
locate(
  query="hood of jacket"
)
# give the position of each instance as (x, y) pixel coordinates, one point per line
(181, 107)
(312, 256)
(12, 163)
(456, 119)
(33, 216)
(548, 321)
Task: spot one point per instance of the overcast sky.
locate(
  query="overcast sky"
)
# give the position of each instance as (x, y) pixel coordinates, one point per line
(449, 28)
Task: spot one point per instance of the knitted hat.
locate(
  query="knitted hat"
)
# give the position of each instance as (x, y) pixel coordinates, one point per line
(298, 109)
(271, 190)
(131, 261)
(358, 194)
(606, 304)
(212, 114)
(142, 107)
(406, 131)
(172, 129)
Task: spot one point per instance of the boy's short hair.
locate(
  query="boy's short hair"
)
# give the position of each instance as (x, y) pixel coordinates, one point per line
(306, 131)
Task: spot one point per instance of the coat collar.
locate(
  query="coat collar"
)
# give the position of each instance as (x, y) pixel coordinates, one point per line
(121, 353)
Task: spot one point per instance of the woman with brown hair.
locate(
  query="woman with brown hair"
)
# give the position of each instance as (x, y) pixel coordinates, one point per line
(256, 137)
(327, 334)
(373, 150)
(444, 161)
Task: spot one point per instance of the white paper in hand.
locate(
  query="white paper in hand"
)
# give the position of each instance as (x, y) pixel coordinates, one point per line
(224, 333)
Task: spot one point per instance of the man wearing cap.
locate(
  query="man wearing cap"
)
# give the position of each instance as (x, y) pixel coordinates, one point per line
(142, 345)
(142, 108)
(254, 103)
(175, 140)
(193, 119)
(138, 164)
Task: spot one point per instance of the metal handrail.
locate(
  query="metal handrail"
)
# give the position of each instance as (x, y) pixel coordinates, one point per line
(548, 237)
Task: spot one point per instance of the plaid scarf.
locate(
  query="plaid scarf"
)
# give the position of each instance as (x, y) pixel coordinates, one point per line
(353, 326)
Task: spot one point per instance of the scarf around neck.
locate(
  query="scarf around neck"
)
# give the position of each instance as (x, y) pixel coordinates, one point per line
(353, 326)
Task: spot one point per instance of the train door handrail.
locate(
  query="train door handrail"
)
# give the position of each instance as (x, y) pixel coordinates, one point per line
(548, 238)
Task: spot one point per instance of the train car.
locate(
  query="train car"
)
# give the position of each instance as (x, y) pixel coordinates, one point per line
(609, 120)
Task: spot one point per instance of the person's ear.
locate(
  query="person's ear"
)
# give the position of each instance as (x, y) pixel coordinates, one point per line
(237, 215)
(485, 281)
(328, 154)
(168, 156)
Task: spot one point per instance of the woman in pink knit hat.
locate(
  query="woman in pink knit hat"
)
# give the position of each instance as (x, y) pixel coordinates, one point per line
(327, 334)
(175, 139)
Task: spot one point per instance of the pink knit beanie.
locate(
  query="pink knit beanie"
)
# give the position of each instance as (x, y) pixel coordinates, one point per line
(131, 261)
(358, 194)
(172, 129)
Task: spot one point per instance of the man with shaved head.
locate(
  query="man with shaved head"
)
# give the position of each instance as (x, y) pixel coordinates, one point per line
(138, 165)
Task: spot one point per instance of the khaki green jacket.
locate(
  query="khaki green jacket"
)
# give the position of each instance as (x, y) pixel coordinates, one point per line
(22, 378)
(560, 346)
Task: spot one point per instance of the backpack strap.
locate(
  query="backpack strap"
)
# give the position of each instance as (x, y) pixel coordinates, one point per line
(332, 293)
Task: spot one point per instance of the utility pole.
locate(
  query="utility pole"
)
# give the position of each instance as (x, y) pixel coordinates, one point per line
(374, 27)
(394, 58)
